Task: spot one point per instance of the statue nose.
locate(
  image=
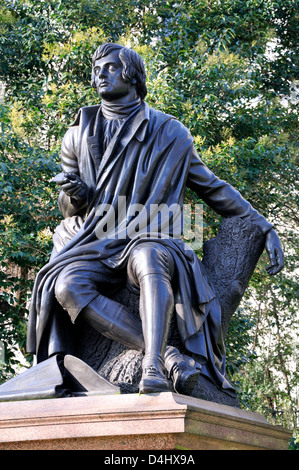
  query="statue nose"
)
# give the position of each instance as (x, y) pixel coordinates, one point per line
(102, 73)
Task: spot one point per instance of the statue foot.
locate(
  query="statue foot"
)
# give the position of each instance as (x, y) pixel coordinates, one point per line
(182, 370)
(153, 378)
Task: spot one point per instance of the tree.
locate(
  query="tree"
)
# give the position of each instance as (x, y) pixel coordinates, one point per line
(227, 70)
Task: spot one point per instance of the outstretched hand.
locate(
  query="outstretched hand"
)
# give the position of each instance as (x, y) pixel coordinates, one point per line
(275, 252)
(72, 185)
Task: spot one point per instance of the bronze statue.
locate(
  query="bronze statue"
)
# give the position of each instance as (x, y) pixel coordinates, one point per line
(122, 159)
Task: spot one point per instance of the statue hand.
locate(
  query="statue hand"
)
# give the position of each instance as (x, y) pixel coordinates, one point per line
(73, 186)
(275, 252)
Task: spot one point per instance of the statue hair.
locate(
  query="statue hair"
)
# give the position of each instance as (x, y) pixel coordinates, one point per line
(133, 65)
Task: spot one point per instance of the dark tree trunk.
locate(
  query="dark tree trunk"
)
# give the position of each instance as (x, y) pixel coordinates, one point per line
(229, 261)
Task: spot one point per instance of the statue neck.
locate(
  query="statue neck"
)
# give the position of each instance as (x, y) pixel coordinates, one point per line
(113, 110)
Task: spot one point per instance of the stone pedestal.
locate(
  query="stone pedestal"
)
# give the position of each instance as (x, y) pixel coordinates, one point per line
(163, 421)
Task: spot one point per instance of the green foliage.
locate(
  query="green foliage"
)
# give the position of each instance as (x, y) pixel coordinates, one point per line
(28, 217)
(28, 210)
(294, 443)
(229, 71)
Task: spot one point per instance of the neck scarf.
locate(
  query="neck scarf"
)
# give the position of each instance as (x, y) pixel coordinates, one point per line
(119, 111)
(110, 126)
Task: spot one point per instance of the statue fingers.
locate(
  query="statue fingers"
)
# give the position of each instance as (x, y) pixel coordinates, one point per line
(73, 177)
(279, 258)
(276, 262)
(71, 188)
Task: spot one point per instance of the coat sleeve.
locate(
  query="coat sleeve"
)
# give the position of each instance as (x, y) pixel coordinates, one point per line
(221, 196)
(69, 164)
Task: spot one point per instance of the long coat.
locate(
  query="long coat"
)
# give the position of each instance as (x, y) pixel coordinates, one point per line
(149, 161)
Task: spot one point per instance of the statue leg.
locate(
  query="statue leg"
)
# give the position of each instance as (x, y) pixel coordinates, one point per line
(78, 290)
(150, 268)
(114, 321)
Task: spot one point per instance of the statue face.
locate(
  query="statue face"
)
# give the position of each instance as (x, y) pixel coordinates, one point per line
(109, 81)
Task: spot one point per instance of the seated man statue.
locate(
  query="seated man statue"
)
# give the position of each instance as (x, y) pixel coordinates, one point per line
(121, 160)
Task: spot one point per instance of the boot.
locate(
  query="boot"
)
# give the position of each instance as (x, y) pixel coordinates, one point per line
(154, 376)
(156, 307)
(182, 370)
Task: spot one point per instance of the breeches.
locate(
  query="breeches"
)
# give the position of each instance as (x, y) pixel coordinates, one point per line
(82, 281)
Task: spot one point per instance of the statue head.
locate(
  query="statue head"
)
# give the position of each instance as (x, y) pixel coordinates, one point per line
(133, 66)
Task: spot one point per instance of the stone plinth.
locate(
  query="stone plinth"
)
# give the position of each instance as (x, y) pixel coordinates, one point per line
(163, 421)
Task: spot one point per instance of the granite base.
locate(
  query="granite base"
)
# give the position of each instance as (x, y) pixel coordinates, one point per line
(165, 421)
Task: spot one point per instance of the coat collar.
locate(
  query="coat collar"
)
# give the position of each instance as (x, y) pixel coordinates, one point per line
(94, 112)
(136, 127)
(140, 122)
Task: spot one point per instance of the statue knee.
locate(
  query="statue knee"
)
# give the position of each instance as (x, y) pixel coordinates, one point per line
(150, 258)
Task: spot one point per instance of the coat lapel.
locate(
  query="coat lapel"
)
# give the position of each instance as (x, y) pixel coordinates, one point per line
(134, 126)
(94, 141)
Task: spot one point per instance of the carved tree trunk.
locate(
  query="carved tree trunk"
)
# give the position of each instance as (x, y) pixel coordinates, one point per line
(229, 261)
